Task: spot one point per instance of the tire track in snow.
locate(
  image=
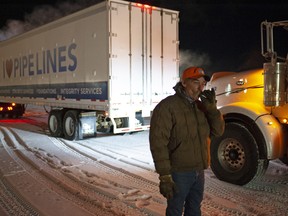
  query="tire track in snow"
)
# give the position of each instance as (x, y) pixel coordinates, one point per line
(49, 175)
(227, 199)
(138, 191)
(220, 198)
(246, 200)
(10, 200)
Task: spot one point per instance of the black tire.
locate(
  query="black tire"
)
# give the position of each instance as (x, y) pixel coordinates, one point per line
(235, 156)
(71, 125)
(55, 125)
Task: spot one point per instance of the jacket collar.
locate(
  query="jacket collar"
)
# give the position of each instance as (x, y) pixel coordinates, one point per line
(180, 91)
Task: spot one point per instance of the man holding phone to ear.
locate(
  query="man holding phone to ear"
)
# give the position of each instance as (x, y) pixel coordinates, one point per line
(180, 131)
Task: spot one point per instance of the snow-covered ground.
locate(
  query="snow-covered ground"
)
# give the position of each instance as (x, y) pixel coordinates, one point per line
(109, 175)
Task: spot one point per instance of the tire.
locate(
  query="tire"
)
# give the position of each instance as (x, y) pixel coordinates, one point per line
(55, 123)
(235, 156)
(71, 125)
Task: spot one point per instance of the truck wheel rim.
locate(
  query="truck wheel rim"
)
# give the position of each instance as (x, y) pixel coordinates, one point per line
(231, 154)
(53, 124)
(69, 126)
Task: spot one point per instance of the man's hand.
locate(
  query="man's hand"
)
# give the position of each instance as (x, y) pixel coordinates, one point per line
(208, 98)
(167, 186)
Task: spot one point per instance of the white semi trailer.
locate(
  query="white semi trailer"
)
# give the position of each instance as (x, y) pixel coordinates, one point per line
(255, 108)
(103, 68)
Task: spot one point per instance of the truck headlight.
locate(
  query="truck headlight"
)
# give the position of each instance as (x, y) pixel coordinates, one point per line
(283, 120)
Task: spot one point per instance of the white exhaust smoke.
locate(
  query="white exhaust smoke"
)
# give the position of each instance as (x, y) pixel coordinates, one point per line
(188, 59)
(12, 28)
(41, 15)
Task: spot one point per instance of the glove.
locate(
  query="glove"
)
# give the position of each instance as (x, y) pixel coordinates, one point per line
(167, 186)
(208, 98)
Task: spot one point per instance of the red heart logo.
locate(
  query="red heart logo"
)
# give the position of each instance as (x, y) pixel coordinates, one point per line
(9, 67)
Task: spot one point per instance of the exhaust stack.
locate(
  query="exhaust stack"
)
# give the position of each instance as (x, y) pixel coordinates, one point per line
(275, 84)
(276, 71)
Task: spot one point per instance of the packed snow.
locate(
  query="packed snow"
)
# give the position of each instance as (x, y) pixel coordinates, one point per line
(109, 175)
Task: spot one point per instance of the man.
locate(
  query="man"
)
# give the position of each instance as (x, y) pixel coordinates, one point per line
(180, 132)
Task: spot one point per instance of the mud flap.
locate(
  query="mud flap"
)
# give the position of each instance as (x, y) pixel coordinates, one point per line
(87, 125)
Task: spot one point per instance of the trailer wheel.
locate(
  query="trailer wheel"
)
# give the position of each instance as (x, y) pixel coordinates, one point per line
(234, 155)
(71, 125)
(55, 123)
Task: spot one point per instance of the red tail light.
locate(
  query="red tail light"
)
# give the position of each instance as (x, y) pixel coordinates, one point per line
(145, 6)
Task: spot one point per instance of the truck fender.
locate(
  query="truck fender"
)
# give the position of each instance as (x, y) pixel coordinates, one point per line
(267, 124)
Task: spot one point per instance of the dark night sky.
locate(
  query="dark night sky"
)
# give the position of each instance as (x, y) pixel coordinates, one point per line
(225, 34)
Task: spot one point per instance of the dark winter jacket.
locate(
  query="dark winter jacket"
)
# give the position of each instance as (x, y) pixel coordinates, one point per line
(180, 133)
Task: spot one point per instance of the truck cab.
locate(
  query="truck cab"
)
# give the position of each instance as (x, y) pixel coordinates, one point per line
(11, 110)
(254, 104)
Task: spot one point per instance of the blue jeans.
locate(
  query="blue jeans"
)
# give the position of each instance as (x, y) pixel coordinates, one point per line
(189, 194)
